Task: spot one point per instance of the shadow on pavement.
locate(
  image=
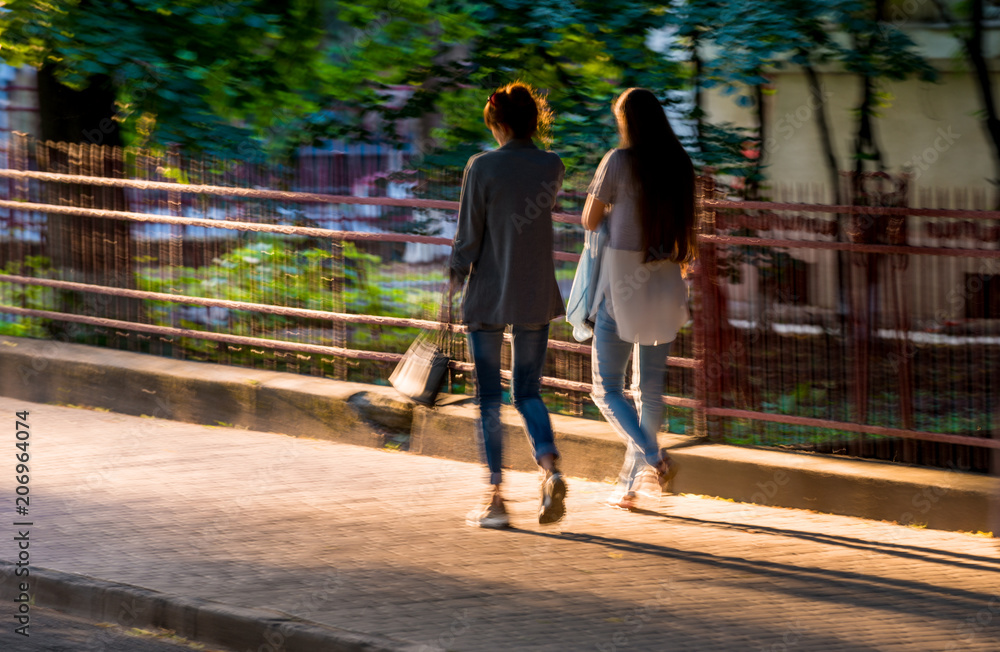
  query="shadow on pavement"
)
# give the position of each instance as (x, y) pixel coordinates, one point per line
(846, 587)
(889, 548)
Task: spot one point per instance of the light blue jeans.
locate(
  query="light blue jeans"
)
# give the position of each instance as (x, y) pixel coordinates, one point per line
(637, 423)
(529, 345)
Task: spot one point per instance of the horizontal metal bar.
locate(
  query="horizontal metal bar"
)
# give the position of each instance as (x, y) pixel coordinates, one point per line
(318, 232)
(575, 386)
(566, 256)
(295, 347)
(247, 193)
(306, 313)
(231, 225)
(846, 246)
(172, 331)
(853, 427)
(308, 197)
(904, 211)
(506, 374)
(585, 349)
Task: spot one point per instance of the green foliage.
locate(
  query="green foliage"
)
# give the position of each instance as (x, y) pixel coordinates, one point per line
(741, 44)
(253, 77)
(880, 49)
(582, 53)
(222, 77)
(751, 39)
(268, 268)
(721, 149)
(34, 297)
(275, 271)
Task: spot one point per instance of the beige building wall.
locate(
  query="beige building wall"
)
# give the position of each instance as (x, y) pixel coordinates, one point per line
(930, 130)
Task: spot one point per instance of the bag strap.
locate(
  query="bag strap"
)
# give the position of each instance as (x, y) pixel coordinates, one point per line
(446, 337)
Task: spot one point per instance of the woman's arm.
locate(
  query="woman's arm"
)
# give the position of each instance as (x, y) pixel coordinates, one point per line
(593, 213)
(601, 192)
(471, 224)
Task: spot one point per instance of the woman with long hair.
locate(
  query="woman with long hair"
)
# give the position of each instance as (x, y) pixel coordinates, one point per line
(504, 247)
(645, 191)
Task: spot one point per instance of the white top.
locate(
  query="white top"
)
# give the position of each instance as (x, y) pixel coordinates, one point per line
(648, 301)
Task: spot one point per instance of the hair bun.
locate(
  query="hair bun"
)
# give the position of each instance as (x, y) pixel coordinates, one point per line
(520, 108)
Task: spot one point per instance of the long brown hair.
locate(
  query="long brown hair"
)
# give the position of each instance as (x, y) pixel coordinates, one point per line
(663, 176)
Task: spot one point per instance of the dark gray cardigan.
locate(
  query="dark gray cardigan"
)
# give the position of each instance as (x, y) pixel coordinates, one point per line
(504, 237)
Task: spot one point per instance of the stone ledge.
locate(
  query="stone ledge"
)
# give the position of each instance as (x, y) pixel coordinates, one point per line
(132, 383)
(198, 392)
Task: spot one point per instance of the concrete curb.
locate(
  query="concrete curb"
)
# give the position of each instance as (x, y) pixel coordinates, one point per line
(199, 620)
(52, 372)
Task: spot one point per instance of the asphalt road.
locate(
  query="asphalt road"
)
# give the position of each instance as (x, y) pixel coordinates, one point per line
(52, 631)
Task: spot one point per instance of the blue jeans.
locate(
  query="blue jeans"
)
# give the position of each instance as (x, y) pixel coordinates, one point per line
(530, 344)
(637, 423)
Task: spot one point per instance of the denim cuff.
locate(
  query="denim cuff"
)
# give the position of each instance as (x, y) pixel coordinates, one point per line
(496, 477)
(546, 449)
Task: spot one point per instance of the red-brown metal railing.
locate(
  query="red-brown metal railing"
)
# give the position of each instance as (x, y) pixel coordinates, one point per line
(711, 324)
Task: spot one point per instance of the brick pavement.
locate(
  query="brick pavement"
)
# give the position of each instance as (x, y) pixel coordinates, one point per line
(373, 541)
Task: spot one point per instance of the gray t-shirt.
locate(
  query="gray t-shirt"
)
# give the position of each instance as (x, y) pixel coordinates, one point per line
(613, 185)
(648, 301)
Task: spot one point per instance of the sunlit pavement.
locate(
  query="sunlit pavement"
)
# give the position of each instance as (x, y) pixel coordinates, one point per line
(374, 541)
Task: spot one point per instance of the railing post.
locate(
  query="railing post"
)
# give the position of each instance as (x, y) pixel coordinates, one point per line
(706, 315)
(338, 286)
(175, 241)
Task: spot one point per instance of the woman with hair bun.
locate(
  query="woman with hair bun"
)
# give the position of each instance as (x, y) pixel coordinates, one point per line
(645, 190)
(504, 246)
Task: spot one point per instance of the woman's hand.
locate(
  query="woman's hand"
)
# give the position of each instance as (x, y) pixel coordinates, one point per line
(593, 213)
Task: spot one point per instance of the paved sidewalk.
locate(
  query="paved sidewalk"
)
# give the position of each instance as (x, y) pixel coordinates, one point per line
(374, 541)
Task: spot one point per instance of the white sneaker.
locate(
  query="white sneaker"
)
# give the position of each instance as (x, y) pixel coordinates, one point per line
(491, 515)
(553, 503)
(648, 484)
(624, 500)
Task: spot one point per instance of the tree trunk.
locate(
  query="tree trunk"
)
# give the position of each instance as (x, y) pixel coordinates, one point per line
(864, 305)
(71, 116)
(757, 174)
(973, 45)
(826, 140)
(866, 144)
(836, 193)
(80, 136)
(974, 49)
